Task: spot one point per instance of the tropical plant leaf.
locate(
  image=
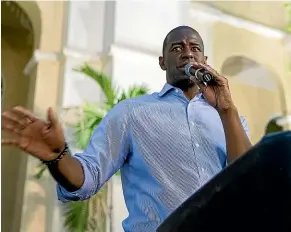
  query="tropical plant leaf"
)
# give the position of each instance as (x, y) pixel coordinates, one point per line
(133, 91)
(90, 118)
(118, 173)
(82, 138)
(76, 215)
(89, 215)
(102, 80)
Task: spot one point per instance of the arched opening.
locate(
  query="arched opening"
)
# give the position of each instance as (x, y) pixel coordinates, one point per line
(17, 45)
(255, 90)
(34, 14)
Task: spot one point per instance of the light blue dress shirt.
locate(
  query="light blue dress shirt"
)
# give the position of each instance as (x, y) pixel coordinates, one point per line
(166, 148)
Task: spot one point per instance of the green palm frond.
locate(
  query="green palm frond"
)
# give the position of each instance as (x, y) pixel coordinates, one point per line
(133, 91)
(89, 215)
(92, 115)
(76, 215)
(102, 80)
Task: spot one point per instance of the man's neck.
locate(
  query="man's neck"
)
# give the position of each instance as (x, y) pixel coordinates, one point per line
(191, 92)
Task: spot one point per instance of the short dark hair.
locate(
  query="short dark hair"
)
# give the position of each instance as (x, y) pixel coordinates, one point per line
(165, 43)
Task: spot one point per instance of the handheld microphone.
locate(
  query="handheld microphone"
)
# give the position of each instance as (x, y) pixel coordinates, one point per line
(200, 74)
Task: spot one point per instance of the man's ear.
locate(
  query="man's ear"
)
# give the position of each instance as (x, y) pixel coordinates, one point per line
(205, 59)
(162, 63)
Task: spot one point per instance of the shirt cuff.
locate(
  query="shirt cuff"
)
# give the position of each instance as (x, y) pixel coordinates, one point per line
(84, 192)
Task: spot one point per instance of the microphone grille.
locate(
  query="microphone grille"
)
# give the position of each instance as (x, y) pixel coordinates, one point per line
(187, 69)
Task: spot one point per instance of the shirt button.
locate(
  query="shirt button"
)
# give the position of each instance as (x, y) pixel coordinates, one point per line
(177, 91)
(196, 144)
(202, 169)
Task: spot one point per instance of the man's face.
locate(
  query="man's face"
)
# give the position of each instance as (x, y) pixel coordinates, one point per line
(183, 47)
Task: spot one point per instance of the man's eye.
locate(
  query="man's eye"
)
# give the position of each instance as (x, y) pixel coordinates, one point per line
(177, 49)
(195, 49)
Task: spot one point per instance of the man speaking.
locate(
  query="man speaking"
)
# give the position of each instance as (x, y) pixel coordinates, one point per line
(167, 144)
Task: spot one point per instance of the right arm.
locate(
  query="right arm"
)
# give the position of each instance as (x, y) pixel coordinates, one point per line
(80, 176)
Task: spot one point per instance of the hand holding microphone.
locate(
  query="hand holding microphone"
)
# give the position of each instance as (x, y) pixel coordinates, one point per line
(214, 86)
(201, 74)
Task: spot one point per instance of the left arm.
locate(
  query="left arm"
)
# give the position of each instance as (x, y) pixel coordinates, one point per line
(237, 140)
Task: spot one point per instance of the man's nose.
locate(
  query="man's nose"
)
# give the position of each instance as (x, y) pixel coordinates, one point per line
(188, 54)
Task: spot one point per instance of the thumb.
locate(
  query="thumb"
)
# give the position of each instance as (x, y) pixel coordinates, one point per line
(52, 117)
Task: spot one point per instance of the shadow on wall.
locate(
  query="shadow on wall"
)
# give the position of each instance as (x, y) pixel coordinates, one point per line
(249, 72)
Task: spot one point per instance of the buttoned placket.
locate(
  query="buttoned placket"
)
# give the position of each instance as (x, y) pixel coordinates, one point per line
(193, 132)
(190, 114)
(198, 143)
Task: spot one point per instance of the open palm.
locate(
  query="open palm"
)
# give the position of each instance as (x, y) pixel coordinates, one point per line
(44, 140)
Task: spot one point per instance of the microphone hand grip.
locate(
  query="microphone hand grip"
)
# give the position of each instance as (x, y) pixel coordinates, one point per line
(200, 74)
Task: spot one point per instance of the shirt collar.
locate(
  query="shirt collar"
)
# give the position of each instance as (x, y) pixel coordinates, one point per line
(167, 88)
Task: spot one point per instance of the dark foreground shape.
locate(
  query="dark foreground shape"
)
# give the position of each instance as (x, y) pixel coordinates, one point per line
(251, 195)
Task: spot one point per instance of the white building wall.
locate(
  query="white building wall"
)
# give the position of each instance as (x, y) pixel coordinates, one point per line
(138, 38)
(85, 38)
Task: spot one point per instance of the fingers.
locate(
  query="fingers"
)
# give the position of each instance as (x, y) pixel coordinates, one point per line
(10, 125)
(203, 89)
(201, 86)
(218, 78)
(17, 119)
(52, 118)
(25, 113)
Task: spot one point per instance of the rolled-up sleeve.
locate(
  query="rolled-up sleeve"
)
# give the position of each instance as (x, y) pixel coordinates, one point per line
(104, 155)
